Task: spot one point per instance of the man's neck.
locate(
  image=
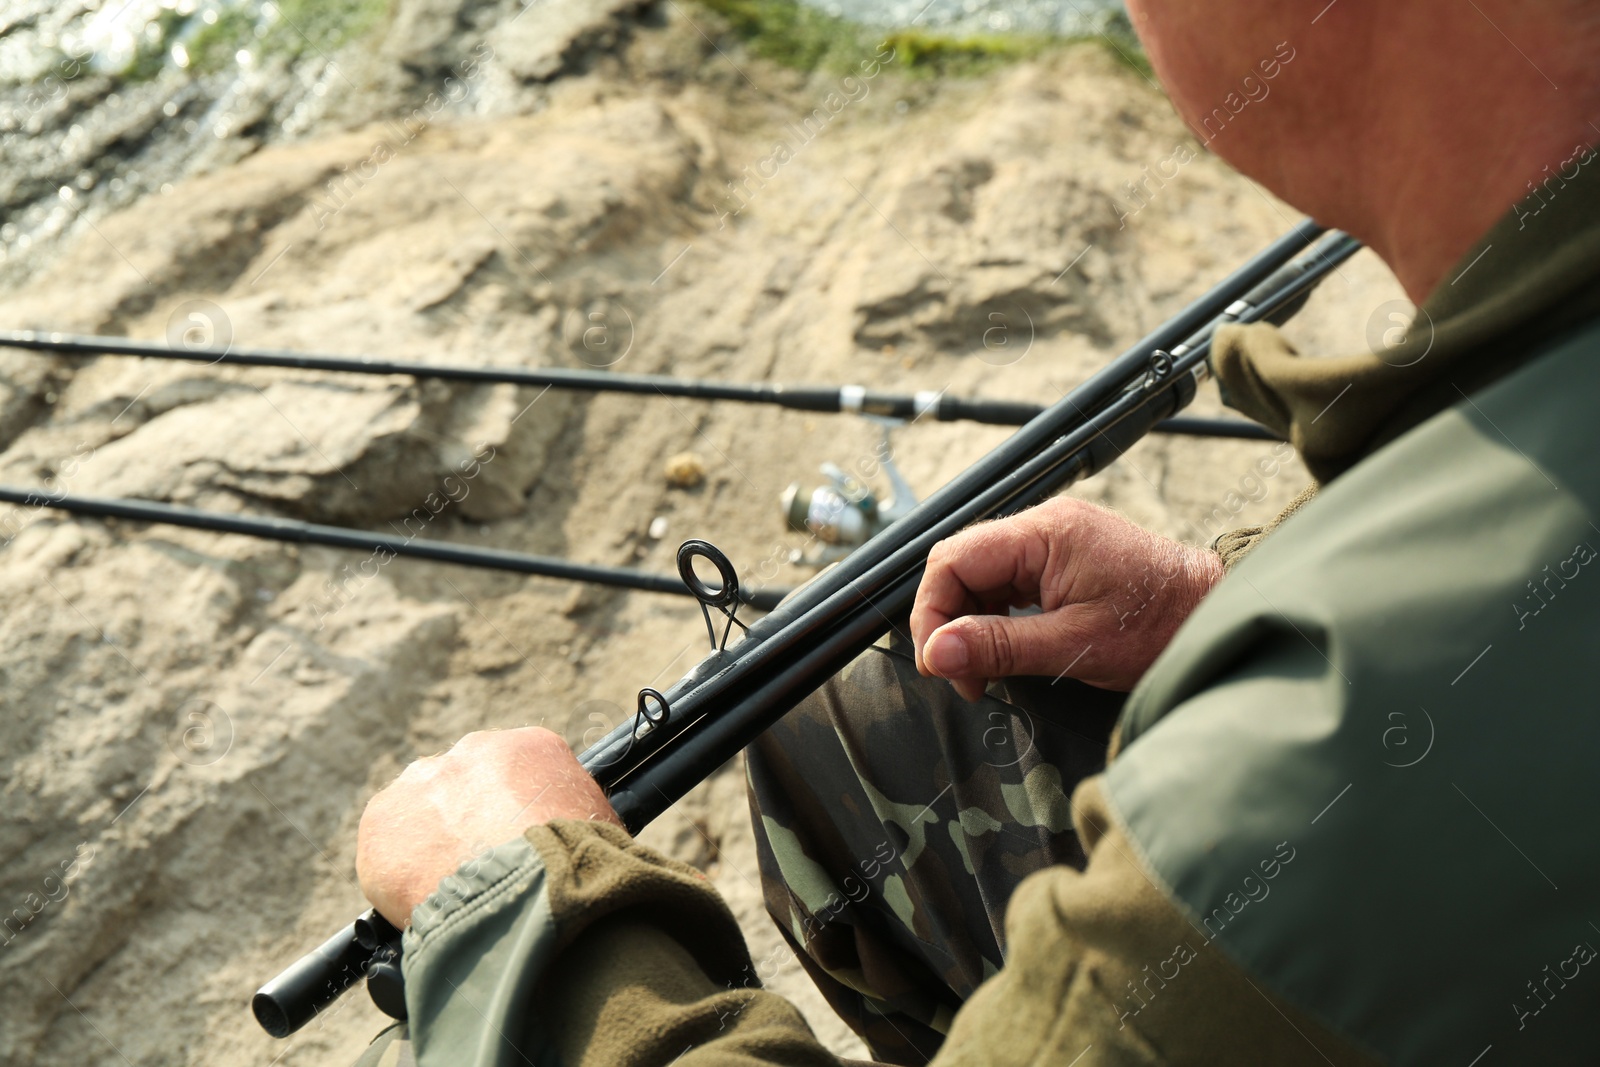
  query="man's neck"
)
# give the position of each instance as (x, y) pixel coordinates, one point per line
(1455, 122)
(1441, 194)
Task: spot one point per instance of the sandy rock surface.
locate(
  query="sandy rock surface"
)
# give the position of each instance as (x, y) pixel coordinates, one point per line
(192, 722)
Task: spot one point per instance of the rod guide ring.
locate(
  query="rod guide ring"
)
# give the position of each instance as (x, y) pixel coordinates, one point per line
(725, 596)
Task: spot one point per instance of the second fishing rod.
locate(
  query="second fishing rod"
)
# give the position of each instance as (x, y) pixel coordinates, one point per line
(936, 406)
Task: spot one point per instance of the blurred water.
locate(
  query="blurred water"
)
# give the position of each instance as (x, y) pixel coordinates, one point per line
(975, 16)
(103, 102)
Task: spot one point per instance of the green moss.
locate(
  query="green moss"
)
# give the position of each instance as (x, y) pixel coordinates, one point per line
(152, 53)
(290, 28)
(792, 34)
(214, 47)
(937, 53)
(796, 35)
(321, 25)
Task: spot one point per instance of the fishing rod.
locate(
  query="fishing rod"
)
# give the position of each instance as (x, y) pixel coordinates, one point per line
(846, 399)
(732, 695)
(297, 532)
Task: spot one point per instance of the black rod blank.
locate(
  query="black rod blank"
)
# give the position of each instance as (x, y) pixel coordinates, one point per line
(295, 531)
(827, 399)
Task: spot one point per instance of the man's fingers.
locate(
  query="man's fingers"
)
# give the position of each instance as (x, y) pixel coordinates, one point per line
(994, 561)
(979, 647)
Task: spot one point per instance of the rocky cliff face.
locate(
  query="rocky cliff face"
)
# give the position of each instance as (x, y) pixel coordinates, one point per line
(192, 721)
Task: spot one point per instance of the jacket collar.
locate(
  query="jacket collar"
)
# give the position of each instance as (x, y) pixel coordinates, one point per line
(1530, 280)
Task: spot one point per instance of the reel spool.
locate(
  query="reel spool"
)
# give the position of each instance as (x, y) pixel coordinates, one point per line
(843, 513)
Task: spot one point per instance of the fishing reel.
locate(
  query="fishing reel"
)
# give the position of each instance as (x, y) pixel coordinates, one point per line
(843, 514)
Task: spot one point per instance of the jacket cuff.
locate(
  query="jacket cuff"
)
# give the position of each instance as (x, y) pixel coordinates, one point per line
(479, 945)
(473, 953)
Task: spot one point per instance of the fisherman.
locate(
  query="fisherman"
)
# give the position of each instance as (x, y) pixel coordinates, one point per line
(1346, 817)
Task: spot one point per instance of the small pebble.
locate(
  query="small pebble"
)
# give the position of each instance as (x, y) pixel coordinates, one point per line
(685, 470)
(658, 527)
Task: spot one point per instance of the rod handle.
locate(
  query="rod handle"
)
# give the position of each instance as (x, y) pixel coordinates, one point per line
(311, 983)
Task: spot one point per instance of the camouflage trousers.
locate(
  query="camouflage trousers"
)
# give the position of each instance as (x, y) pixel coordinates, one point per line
(894, 819)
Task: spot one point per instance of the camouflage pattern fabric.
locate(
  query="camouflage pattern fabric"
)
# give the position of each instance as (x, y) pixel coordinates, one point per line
(894, 819)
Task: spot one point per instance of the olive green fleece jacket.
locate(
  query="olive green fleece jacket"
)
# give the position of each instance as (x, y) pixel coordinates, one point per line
(578, 946)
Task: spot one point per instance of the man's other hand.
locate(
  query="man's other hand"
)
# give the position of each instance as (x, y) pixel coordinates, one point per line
(443, 810)
(1112, 595)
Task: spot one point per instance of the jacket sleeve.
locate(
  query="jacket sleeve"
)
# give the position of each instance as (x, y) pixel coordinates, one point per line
(1235, 545)
(578, 946)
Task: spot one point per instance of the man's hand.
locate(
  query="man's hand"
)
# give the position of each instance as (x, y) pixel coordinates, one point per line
(1112, 596)
(443, 810)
